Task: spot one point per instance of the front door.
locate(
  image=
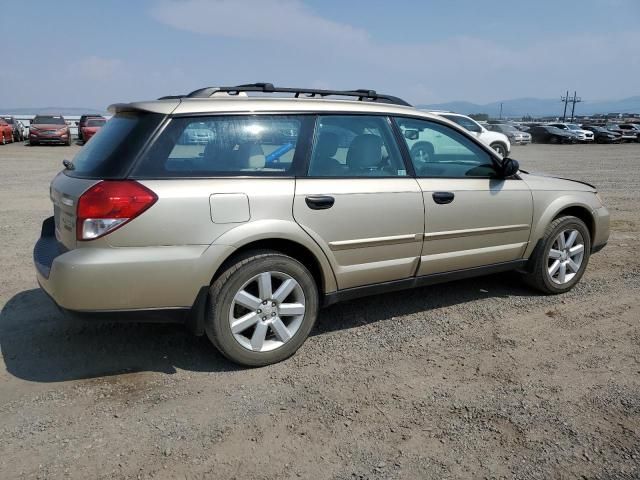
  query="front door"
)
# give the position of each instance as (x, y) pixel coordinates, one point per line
(473, 217)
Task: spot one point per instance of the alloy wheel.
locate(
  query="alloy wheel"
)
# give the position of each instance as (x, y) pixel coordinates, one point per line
(565, 256)
(267, 311)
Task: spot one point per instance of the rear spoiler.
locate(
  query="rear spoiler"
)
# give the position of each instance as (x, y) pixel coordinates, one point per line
(164, 107)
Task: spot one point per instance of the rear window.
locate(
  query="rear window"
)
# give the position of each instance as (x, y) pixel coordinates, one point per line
(239, 145)
(96, 123)
(111, 152)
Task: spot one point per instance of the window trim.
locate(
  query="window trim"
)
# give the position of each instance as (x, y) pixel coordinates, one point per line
(393, 137)
(492, 155)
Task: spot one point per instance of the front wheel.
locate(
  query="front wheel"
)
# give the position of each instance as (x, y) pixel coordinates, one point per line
(561, 256)
(262, 308)
(500, 149)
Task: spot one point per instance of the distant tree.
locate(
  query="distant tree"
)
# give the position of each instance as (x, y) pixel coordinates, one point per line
(480, 117)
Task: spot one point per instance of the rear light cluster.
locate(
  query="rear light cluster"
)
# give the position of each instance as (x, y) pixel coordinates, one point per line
(109, 205)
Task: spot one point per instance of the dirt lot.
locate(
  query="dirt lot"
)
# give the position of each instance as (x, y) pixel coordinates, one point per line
(475, 379)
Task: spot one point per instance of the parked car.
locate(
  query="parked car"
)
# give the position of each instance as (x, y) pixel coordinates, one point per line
(6, 132)
(49, 129)
(496, 140)
(358, 198)
(602, 135)
(83, 123)
(626, 135)
(514, 135)
(17, 128)
(196, 135)
(550, 134)
(581, 135)
(91, 127)
(630, 129)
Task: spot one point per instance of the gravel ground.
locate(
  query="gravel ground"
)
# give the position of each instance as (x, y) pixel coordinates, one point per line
(481, 378)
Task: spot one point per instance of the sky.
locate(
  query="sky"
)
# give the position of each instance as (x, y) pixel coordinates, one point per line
(94, 53)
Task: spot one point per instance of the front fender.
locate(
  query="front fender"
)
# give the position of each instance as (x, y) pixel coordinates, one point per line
(549, 205)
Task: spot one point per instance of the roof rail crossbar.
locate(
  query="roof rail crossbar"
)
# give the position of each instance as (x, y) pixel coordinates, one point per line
(361, 94)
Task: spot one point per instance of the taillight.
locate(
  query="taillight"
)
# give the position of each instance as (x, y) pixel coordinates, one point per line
(109, 205)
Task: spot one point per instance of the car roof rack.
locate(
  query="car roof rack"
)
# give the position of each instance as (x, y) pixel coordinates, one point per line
(361, 94)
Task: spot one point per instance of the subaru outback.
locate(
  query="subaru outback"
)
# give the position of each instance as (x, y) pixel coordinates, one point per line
(292, 204)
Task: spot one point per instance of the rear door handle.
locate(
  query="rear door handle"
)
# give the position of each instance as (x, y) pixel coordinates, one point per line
(319, 202)
(443, 197)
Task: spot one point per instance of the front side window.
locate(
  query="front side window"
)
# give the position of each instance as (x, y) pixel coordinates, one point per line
(355, 146)
(224, 146)
(439, 151)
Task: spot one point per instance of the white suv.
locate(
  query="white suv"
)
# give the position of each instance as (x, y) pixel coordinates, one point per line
(496, 140)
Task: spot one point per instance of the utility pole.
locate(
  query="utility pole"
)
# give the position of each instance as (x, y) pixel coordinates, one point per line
(574, 101)
(565, 99)
(500, 110)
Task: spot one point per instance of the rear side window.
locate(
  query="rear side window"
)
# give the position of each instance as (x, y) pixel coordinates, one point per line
(242, 145)
(111, 152)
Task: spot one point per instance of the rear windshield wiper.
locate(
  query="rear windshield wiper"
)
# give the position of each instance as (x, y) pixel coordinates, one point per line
(68, 164)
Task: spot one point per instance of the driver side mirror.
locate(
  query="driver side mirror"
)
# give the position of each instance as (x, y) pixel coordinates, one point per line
(509, 167)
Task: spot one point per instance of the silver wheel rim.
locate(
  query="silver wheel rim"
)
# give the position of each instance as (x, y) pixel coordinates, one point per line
(267, 311)
(565, 256)
(499, 149)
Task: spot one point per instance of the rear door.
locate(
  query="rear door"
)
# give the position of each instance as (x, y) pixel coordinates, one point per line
(358, 202)
(473, 218)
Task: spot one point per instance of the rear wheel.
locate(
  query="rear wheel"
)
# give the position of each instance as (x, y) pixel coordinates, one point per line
(262, 308)
(561, 257)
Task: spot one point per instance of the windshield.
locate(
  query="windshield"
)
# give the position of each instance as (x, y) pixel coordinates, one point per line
(49, 120)
(95, 123)
(9, 120)
(573, 126)
(111, 152)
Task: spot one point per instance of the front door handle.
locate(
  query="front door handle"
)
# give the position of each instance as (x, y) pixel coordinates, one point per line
(443, 197)
(319, 202)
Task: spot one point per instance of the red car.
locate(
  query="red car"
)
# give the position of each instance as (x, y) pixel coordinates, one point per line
(91, 127)
(6, 132)
(49, 129)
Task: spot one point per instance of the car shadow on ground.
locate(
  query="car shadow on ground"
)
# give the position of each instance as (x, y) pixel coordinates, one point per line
(41, 344)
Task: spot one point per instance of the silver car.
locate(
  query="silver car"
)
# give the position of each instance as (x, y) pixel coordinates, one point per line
(293, 204)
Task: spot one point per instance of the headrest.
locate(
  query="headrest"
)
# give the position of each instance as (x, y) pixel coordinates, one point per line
(365, 151)
(327, 145)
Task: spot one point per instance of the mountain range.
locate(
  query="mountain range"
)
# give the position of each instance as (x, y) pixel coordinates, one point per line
(535, 107)
(65, 111)
(538, 107)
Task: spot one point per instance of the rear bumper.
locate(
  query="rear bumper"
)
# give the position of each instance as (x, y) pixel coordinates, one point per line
(118, 280)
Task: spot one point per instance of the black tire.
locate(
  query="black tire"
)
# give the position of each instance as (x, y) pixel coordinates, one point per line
(500, 148)
(538, 274)
(32, 143)
(223, 290)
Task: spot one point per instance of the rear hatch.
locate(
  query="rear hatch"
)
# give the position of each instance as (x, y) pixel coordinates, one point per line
(109, 156)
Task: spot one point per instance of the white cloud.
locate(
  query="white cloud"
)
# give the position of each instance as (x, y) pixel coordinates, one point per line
(285, 41)
(97, 68)
(289, 21)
